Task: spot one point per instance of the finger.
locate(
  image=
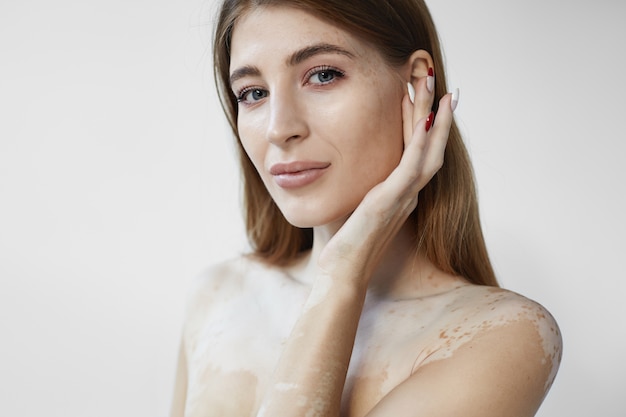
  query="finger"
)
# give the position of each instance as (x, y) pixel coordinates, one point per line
(415, 148)
(438, 137)
(409, 123)
(425, 154)
(424, 96)
(407, 120)
(424, 148)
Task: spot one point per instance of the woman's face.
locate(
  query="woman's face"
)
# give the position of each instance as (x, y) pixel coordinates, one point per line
(319, 112)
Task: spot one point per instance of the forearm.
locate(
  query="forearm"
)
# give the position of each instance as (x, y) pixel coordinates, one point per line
(311, 372)
(310, 376)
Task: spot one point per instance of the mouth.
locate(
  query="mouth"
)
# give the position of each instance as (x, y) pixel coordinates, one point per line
(298, 174)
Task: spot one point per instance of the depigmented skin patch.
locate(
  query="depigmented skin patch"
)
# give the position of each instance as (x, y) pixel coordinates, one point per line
(507, 365)
(242, 312)
(223, 394)
(500, 311)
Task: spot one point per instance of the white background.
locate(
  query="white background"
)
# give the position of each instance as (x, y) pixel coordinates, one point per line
(118, 184)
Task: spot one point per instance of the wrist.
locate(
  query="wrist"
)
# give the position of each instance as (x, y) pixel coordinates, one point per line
(337, 289)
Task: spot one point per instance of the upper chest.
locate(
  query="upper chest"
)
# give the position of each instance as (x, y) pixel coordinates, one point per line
(234, 345)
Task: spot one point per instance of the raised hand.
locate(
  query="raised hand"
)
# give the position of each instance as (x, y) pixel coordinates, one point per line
(360, 242)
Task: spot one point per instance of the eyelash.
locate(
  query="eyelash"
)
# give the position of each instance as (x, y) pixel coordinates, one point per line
(241, 94)
(337, 73)
(325, 68)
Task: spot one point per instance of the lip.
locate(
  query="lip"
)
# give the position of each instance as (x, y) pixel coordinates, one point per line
(298, 173)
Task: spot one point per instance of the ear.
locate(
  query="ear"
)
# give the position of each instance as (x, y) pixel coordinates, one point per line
(417, 65)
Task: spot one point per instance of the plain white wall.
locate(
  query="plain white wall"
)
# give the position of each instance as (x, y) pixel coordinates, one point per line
(118, 184)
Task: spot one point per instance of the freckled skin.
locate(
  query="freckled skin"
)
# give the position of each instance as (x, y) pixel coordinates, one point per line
(241, 312)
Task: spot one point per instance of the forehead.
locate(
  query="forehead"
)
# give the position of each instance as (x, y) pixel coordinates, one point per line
(280, 30)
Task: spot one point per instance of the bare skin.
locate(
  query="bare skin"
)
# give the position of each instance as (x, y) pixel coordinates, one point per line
(456, 345)
(362, 325)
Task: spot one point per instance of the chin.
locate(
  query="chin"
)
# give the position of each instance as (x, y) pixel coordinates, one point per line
(303, 221)
(311, 217)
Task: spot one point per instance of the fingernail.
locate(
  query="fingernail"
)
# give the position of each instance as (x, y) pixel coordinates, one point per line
(455, 99)
(429, 120)
(411, 92)
(430, 80)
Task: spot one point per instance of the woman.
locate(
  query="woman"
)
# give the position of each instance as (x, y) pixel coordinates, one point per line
(369, 291)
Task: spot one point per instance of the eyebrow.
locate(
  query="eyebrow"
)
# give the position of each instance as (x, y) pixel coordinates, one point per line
(295, 58)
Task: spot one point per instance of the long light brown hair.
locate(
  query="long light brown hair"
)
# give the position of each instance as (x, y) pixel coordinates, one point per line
(447, 224)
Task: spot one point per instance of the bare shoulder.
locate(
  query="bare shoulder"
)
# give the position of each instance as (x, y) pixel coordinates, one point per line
(499, 309)
(496, 350)
(237, 288)
(229, 272)
(217, 282)
(475, 311)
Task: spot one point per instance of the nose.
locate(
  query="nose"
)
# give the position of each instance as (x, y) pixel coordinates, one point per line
(287, 120)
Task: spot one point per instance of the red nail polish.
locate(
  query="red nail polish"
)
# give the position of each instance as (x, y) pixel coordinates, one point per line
(429, 120)
(431, 72)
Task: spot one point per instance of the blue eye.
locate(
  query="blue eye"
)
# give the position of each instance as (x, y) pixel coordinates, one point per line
(251, 95)
(324, 75)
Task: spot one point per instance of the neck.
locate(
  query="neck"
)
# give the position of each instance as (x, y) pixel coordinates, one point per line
(402, 271)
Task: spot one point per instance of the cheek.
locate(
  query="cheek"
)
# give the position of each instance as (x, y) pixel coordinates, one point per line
(375, 129)
(252, 143)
